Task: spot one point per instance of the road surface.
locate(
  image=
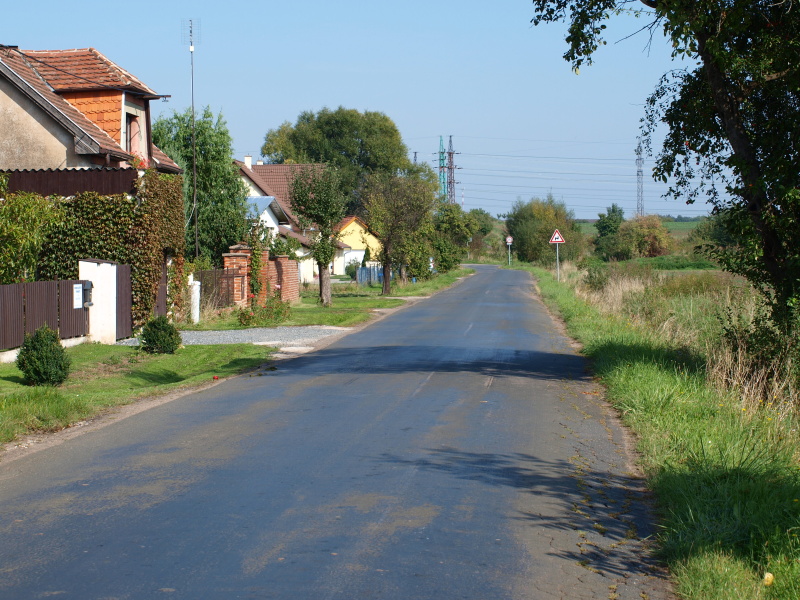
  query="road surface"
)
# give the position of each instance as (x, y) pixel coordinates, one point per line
(456, 449)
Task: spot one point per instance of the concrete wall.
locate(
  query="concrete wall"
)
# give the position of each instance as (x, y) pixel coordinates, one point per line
(103, 312)
(30, 138)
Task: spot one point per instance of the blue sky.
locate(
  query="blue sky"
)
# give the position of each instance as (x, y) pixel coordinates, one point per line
(523, 123)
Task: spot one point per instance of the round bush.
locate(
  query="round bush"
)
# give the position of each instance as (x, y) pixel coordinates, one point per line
(159, 336)
(42, 359)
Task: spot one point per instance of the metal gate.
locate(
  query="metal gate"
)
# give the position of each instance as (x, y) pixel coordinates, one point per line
(124, 302)
(217, 286)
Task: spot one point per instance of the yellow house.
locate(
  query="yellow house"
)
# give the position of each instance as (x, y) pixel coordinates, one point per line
(354, 233)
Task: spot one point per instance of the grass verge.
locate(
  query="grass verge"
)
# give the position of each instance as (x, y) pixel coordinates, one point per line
(725, 474)
(104, 376)
(352, 304)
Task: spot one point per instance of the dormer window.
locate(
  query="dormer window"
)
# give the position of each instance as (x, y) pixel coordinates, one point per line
(134, 134)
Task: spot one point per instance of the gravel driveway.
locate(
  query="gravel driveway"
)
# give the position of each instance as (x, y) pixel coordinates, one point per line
(285, 338)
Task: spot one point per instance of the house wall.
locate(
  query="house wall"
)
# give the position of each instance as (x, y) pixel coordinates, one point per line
(30, 138)
(307, 268)
(358, 238)
(102, 107)
(268, 219)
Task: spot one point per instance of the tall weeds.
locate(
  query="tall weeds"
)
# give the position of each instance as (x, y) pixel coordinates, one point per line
(710, 313)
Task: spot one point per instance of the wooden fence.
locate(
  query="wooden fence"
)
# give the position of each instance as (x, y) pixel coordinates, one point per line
(24, 307)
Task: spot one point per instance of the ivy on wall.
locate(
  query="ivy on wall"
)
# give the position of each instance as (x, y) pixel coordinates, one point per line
(136, 230)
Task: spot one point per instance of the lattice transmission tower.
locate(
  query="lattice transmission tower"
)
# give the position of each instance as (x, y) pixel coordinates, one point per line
(442, 169)
(451, 173)
(639, 182)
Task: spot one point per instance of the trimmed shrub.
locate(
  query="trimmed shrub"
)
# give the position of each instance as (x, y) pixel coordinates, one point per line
(159, 336)
(42, 359)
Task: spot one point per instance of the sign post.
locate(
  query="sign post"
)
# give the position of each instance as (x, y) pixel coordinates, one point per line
(509, 241)
(557, 239)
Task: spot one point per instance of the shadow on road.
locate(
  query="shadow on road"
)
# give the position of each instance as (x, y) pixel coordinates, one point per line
(599, 519)
(444, 359)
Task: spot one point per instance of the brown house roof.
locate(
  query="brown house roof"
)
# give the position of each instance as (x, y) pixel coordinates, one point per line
(276, 180)
(83, 69)
(349, 219)
(41, 93)
(40, 81)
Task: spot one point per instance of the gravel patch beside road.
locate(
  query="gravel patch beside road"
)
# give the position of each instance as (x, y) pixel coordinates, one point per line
(280, 337)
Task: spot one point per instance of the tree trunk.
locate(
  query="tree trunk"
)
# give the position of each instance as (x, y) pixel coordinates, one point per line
(324, 284)
(403, 274)
(387, 278)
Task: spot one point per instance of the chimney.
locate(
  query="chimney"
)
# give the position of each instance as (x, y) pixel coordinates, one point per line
(259, 162)
(248, 161)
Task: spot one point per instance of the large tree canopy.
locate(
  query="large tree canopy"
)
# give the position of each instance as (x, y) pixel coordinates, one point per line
(733, 122)
(357, 144)
(221, 195)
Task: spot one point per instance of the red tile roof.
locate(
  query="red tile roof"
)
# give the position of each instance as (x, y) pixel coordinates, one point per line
(163, 162)
(36, 75)
(349, 219)
(276, 180)
(82, 69)
(23, 69)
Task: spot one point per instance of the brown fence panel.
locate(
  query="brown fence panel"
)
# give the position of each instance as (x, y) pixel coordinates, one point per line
(68, 182)
(12, 328)
(124, 302)
(73, 322)
(41, 305)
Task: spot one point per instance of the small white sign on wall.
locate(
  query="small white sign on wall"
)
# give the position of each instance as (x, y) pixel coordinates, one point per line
(77, 295)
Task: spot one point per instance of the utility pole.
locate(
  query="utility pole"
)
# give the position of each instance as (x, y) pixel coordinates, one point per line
(190, 33)
(639, 181)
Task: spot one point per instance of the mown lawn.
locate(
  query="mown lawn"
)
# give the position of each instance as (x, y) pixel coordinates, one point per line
(104, 376)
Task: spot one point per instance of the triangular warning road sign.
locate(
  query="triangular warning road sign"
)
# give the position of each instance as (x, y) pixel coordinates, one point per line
(557, 238)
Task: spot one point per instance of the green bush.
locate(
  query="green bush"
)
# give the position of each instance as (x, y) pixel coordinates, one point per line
(273, 312)
(351, 270)
(42, 358)
(159, 336)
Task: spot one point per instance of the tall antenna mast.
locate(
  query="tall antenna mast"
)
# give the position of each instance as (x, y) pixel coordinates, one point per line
(639, 181)
(189, 31)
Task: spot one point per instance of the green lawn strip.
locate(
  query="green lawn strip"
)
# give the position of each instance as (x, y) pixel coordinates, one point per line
(727, 481)
(104, 376)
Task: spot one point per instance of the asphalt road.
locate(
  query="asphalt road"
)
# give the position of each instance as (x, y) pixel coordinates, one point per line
(454, 449)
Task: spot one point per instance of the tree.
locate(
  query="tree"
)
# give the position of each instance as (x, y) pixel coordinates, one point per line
(316, 199)
(357, 144)
(222, 208)
(532, 223)
(607, 243)
(453, 229)
(608, 224)
(25, 221)
(732, 119)
(399, 211)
